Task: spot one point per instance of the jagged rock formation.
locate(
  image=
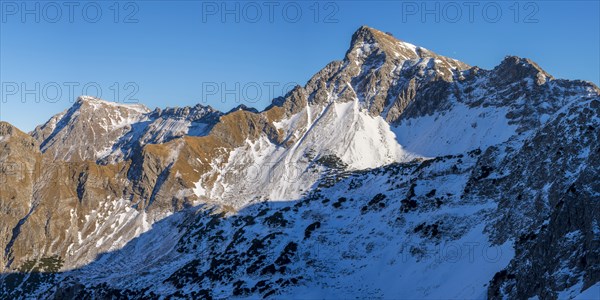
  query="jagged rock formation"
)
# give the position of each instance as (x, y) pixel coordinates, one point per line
(117, 130)
(354, 184)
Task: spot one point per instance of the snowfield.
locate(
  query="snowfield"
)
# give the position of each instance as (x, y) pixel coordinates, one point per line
(454, 131)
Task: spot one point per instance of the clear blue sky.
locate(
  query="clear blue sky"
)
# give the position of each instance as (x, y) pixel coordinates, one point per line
(179, 51)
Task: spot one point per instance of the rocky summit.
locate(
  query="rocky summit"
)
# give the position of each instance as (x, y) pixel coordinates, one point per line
(393, 173)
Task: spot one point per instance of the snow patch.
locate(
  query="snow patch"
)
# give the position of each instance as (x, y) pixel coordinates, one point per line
(455, 131)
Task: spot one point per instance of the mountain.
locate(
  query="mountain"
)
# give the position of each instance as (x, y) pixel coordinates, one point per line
(107, 132)
(393, 173)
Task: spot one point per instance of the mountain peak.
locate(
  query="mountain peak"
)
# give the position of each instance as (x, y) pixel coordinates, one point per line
(368, 34)
(91, 100)
(367, 40)
(86, 98)
(364, 32)
(8, 132)
(514, 68)
(96, 103)
(243, 107)
(6, 128)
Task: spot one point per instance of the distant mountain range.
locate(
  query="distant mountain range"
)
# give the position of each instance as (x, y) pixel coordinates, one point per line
(393, 173)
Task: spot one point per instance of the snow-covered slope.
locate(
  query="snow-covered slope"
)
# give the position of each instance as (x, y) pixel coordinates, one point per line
(454, 131)
(387, 101)
(339, 135)
(393, 173)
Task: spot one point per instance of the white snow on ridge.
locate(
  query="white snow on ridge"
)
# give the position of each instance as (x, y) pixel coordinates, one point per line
(97, 103)
(371, 142)
(261, 169)
(199, 190)
(107, 228)
(457, 130)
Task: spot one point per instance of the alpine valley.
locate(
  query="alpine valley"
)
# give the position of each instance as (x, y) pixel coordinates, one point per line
(394, 173)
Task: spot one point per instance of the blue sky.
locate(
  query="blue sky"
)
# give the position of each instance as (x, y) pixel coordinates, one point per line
(177, 53)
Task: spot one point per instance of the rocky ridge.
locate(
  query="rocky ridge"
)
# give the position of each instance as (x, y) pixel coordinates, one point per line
(356, 164)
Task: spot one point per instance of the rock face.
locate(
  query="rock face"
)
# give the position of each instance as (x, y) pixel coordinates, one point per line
(393, 173)
(20, 153)
(556, 216)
